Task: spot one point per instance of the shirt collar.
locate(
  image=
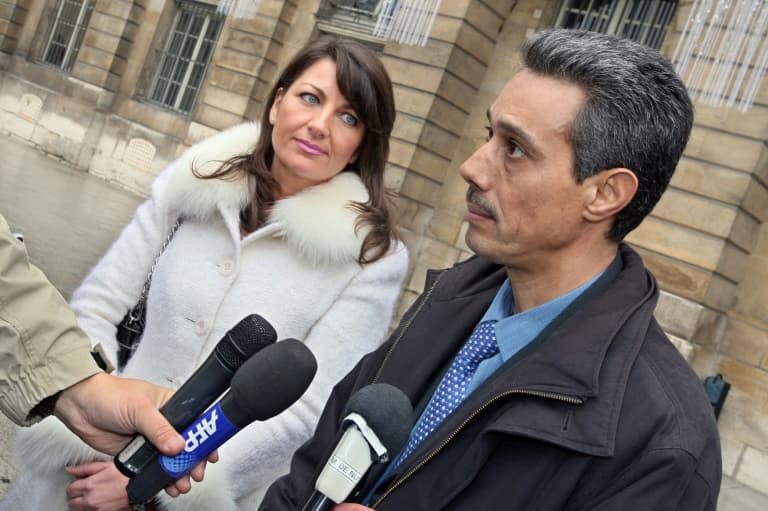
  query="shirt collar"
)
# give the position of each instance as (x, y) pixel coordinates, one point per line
(514, 331)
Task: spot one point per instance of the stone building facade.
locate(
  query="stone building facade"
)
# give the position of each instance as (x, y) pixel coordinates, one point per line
(101, 104)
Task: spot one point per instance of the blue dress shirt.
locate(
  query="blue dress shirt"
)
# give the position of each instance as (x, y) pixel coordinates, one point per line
(515, 331)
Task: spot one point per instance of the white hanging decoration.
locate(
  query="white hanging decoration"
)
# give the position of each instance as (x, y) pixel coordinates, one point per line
(406, 21)
(245, 9)
(224, 7)
(722, 53)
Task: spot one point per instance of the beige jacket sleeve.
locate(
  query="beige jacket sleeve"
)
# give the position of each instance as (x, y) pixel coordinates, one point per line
(42, 350)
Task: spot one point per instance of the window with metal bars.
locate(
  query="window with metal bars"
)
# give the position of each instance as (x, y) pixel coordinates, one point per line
(354, 19)
(644, 21)
(185, 57)
(68, 22)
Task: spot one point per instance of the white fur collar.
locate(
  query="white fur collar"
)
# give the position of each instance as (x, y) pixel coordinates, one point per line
(318, 222)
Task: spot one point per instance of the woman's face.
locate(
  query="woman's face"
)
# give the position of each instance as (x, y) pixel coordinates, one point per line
(315, 131)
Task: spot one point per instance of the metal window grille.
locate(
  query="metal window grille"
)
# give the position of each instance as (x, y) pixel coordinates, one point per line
(350, 18)
(185, 58)
(68, 22)
(644, 21)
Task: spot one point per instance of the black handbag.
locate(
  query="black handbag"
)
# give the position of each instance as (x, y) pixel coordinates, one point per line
(131, 327)
(129, 331)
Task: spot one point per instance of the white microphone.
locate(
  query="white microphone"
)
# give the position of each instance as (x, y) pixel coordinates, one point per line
(378, 420)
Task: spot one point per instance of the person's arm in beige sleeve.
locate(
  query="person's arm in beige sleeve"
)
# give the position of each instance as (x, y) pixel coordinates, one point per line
(46, 365)
(42, 351)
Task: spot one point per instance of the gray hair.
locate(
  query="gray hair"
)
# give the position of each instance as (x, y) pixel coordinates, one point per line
(637, 114)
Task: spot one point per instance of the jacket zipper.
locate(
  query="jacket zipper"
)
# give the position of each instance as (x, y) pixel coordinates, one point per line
(406, 326)
(536, 393)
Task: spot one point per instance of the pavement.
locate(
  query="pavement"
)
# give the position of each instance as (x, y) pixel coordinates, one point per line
(735, 496)
(8, 462)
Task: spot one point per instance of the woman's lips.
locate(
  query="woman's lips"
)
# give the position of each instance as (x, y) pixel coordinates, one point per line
(309, 148)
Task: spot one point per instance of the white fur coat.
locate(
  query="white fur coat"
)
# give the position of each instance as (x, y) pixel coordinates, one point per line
(299, 272)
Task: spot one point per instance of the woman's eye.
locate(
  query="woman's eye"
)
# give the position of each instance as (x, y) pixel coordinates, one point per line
(489, 134)
(349, 119)
(309, 98)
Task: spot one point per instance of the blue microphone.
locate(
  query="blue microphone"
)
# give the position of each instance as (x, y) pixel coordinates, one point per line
(265, 385)
(208, 382)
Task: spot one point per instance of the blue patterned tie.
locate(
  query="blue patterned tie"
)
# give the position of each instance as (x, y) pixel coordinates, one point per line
(452, 389)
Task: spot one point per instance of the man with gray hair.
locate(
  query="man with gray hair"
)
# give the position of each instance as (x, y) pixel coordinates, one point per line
(540, 378)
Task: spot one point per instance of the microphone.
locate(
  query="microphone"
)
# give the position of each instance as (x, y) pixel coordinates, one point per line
(207, 383)
(378, 420)
(265, 385)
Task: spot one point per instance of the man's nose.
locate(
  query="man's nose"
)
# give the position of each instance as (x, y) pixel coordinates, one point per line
(475, 169)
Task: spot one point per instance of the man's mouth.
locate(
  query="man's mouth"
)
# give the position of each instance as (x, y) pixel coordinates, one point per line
(477, 206)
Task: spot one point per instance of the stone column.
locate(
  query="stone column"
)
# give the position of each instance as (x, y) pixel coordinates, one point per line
(244, 62)
(699, 237)
(107, 43)
(437, 90)
(13, 15)
(742, 358)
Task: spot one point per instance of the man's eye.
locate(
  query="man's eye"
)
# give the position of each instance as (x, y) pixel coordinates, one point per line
(310, 98)
(514, 150)
(349, 119)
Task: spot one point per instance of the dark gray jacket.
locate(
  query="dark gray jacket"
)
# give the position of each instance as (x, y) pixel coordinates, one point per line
(599, 412)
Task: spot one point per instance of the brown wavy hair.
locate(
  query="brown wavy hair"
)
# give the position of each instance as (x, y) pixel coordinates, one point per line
(364, 82)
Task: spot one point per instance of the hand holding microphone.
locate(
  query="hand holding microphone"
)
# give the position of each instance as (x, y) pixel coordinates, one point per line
(208, 382)
(265, 385)
(378, 419)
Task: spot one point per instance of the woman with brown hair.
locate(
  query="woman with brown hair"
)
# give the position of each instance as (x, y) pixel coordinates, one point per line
(287, 219)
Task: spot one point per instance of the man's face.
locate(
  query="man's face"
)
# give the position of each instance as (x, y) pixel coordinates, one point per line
(524, 204)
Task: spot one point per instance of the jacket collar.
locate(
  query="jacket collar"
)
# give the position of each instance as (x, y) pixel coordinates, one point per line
(585, 356)
(319, 222)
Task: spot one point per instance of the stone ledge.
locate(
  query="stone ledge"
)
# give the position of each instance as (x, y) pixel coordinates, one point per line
(678, 316)
(686, 349)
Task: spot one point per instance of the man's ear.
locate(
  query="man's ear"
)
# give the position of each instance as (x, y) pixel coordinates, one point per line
(610, 192)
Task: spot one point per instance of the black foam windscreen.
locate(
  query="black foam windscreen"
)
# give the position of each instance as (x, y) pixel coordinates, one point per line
(270, 382)
(250, 335)
(387, 411)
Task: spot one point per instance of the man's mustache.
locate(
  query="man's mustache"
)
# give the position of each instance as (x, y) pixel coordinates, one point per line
(477, 200)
